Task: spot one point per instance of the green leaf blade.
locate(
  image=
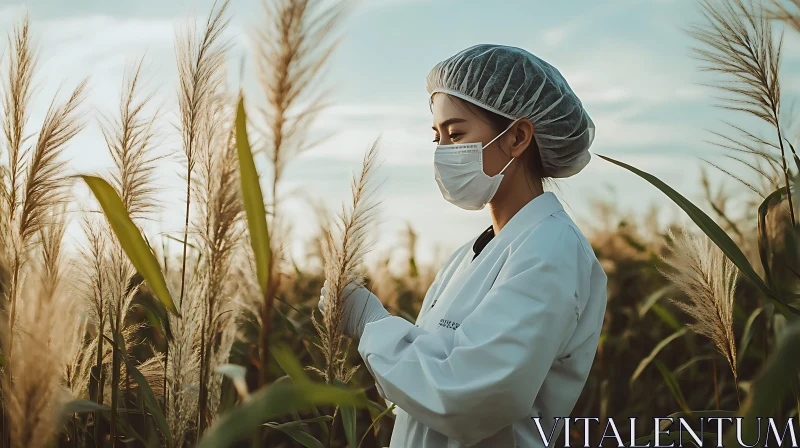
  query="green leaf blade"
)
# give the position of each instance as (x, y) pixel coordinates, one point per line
(253, 200)
(131, 240)
(716, 234)
(274, 401)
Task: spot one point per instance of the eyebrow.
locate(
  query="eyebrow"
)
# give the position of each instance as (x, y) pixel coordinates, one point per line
(448, 122)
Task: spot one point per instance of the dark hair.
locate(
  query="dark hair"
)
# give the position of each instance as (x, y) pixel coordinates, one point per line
(499, 123)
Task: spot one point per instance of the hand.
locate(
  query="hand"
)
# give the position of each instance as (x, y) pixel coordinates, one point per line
(360, 307)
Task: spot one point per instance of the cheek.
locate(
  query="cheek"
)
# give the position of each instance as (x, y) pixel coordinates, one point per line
(493, 160)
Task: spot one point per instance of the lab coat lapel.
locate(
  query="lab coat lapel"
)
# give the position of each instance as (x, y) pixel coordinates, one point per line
(534, 211)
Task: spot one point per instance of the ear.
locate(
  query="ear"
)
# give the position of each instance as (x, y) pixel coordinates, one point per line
(522, 133)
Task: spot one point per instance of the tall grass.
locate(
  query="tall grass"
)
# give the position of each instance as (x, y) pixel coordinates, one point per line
(343, 252)
(292, 48)
(201, 60)
(45, 320)
(36, 182)
(219, 231)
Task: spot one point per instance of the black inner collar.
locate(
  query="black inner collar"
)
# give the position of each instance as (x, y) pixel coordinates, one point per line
(482, 241)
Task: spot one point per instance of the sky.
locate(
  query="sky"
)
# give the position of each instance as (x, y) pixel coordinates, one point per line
(629, 61)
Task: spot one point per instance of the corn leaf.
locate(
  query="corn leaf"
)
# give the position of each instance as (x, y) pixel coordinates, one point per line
(653, 298)
(150, 401)
(237, 375)
(646, 361)
(83, 406)
(375, 420)
(273, 401)
(693, 418)
(717, 235)
(673, 386)
(680, 438)
(770, 386)
(289, 363)
(292, 430)
(747, 335)
(131, 239)
(253, 200)
(349, 422)
(763, 241)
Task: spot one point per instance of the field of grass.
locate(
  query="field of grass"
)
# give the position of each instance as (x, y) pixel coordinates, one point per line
(126, 342)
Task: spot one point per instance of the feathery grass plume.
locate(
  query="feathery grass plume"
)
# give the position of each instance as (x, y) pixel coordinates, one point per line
(16, 100)
(34, 399)
(344, 250)
(183, 369)
(200, 62)
(78, 355)
(130, 138)
(708, 278)
(780, 10)
(220, 209)
(292, 47)
(43, 186)
(739, 43)
(95, 291)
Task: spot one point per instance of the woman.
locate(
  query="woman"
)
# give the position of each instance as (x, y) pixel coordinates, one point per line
(508, 330)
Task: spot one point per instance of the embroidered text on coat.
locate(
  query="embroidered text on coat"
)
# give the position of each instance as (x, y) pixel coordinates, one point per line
(448, 324)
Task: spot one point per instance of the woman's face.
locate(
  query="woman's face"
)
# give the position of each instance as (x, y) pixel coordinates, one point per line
(454, 123)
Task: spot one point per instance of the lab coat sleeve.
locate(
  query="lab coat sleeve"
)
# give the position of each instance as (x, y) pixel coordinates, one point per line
(490, 374)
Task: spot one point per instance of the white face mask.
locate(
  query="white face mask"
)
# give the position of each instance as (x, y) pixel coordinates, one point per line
(459, 172)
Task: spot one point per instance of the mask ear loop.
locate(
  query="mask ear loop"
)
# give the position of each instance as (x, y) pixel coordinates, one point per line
(498, 136)
(507, 164)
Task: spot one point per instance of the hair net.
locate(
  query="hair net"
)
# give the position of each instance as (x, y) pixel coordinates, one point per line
(514, 83)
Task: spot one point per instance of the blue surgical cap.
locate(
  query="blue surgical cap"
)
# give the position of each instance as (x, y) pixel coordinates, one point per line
(513, 83)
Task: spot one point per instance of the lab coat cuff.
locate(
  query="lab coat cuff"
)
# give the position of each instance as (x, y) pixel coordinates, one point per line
(381, 336)
(378, 337)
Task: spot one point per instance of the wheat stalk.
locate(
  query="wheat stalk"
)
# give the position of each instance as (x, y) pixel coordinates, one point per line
(708, 278)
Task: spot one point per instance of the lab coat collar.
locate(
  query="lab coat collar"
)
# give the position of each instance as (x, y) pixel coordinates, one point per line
(531, 213)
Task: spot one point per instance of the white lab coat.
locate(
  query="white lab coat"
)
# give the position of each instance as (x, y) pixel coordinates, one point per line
(512, 336)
